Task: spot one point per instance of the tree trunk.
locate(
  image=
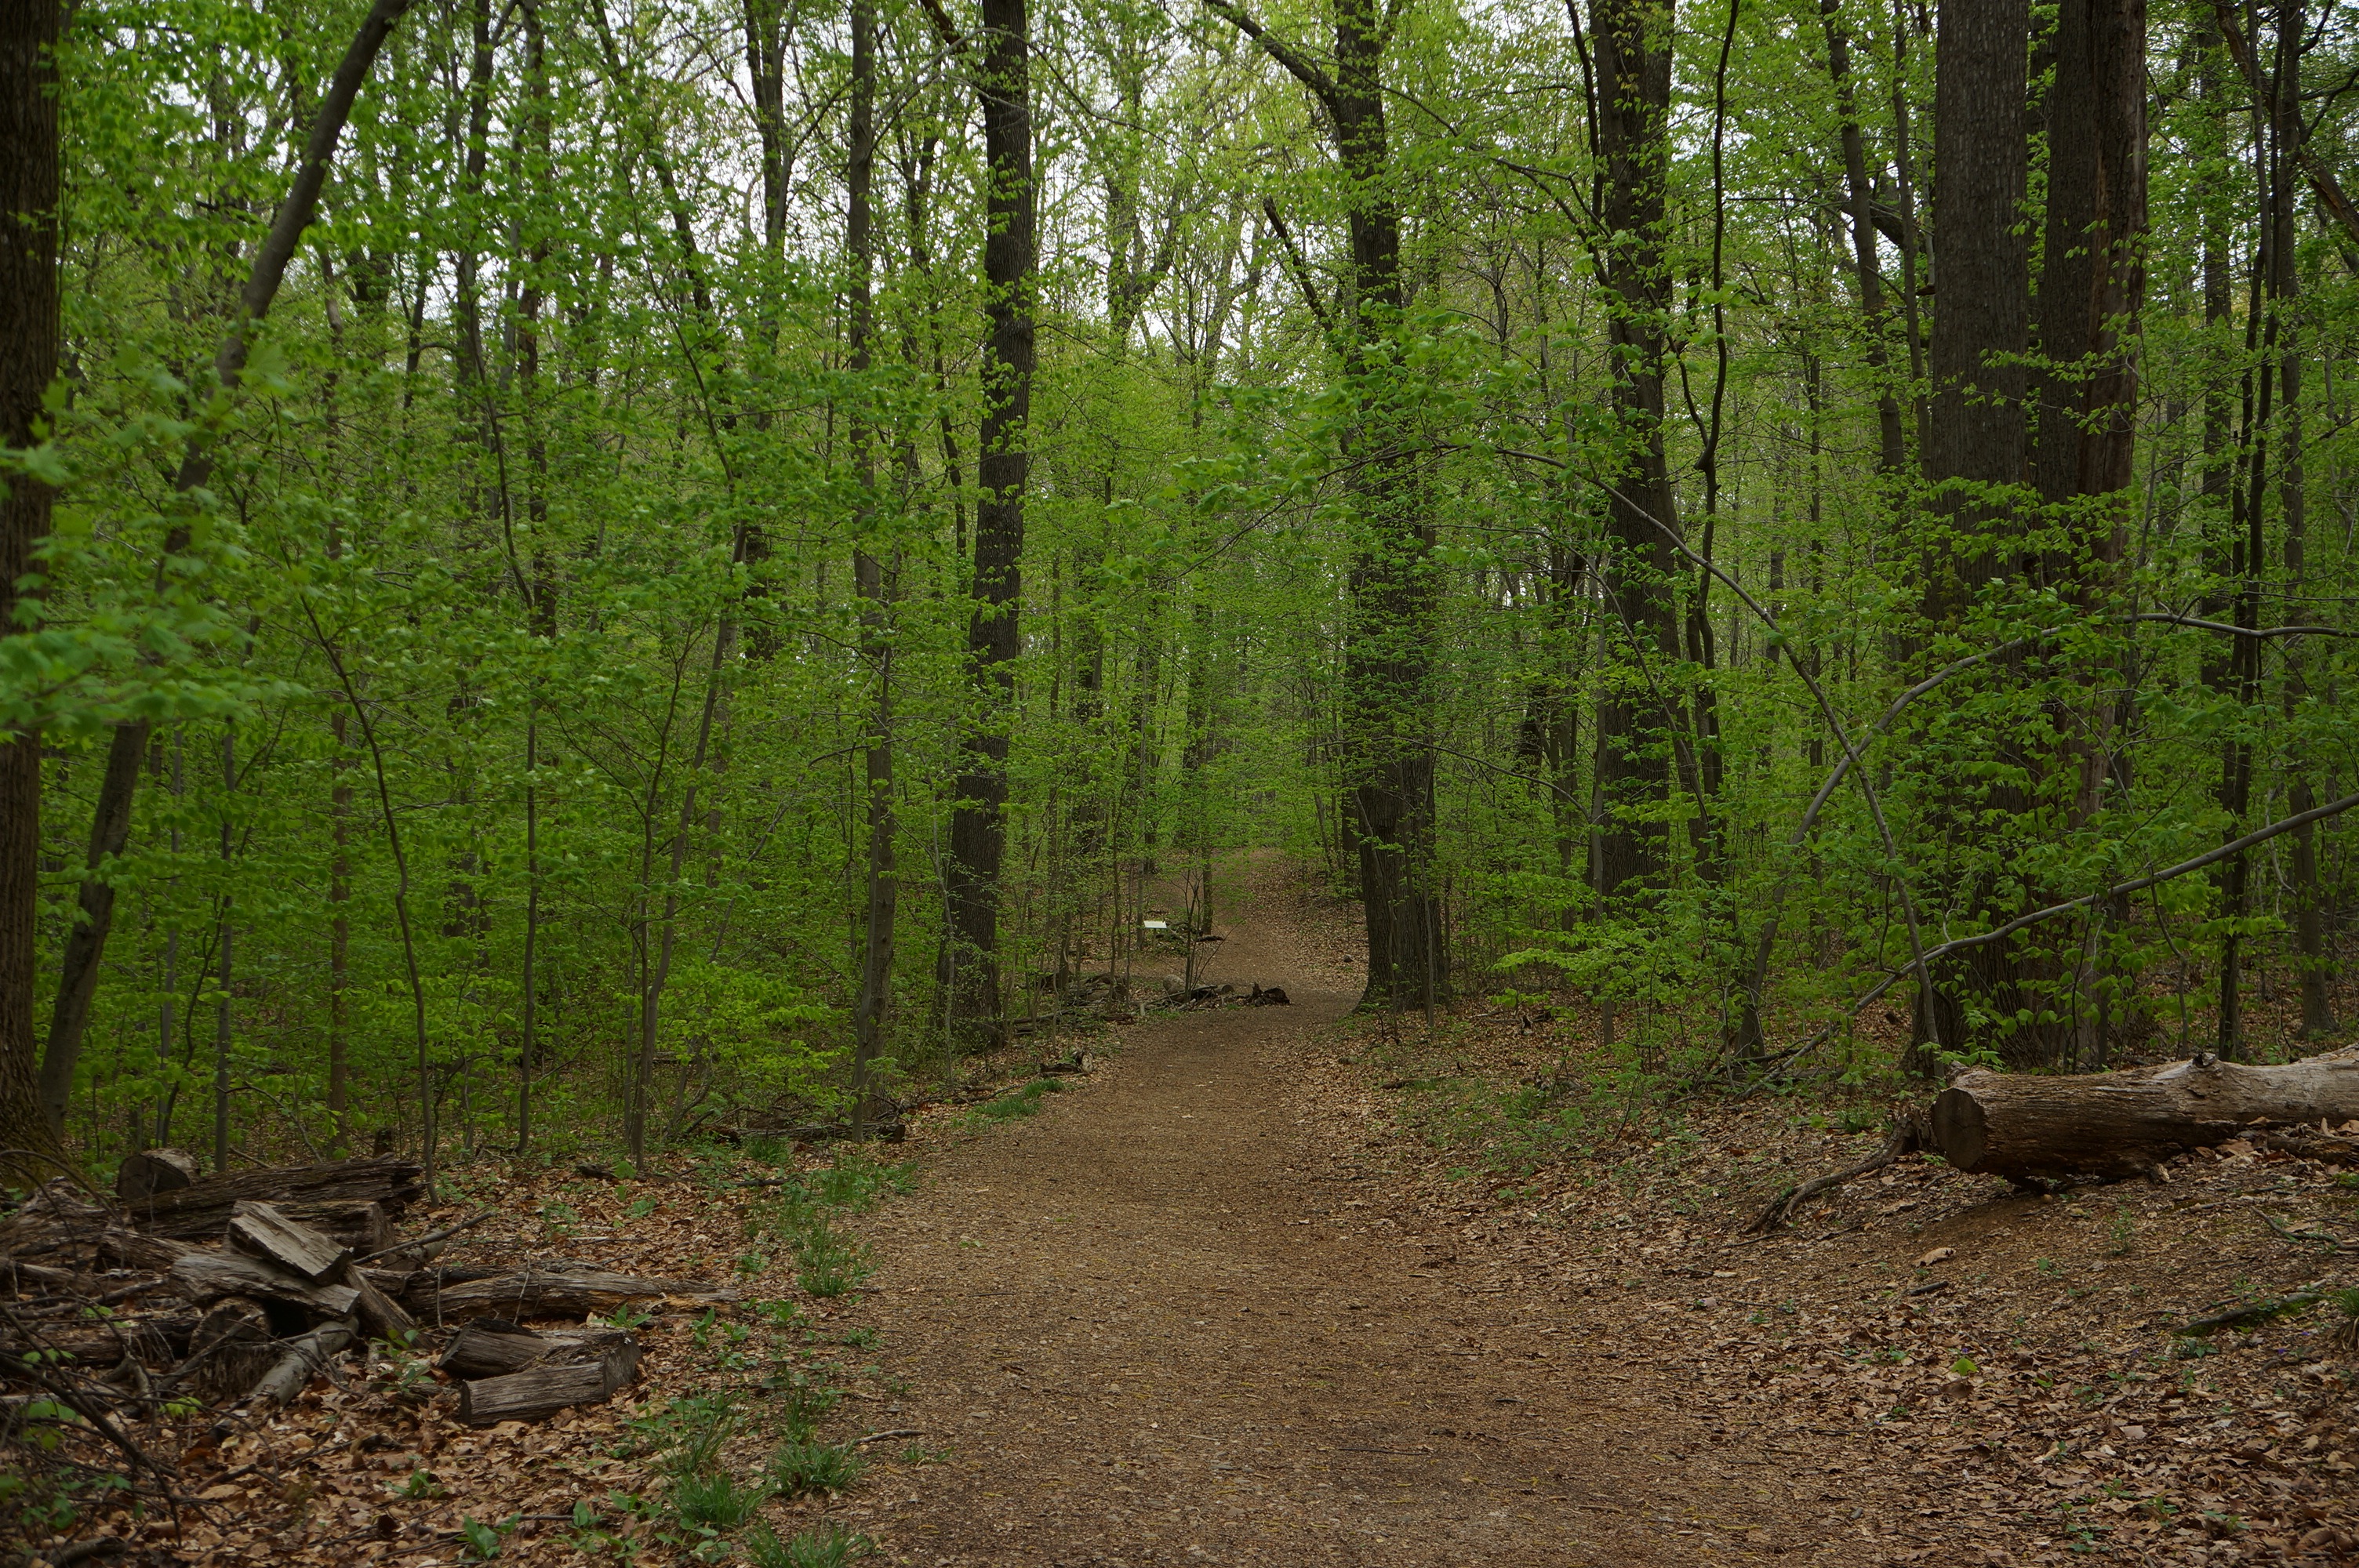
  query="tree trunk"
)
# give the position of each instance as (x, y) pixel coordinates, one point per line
(2313, 961)
(1981, 316)
(29, 330)
(1892, 452)
(1635, 723)
(2121, 1124)
(1975, 447)
(979, 822)
(223, 1016)
(875, 591)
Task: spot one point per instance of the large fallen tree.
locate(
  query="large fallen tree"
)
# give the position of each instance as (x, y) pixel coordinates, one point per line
(2126, 1124)
(2031, 1128)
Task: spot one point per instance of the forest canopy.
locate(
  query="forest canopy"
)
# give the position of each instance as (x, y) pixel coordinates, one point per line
(595, 569)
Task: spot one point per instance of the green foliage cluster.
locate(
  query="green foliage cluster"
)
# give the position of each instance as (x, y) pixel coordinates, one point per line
(510, 681)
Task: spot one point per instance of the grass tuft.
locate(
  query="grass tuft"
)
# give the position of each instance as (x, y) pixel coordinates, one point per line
(802, 1466)
(828, 1546)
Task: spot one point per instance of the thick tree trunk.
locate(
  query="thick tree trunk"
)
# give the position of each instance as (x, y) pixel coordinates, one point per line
(1974, 450)
(1981, 319)
(28, 361)
(2121, 1124)
(1388, 674)
(1636, 725)
(1389, 700)
(979, 822)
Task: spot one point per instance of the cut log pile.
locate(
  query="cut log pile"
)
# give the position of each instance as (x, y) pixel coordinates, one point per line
(246, 1286)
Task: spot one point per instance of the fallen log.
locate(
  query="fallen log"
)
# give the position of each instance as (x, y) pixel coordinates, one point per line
(590, 1377)
(2026, 1126)
(380, 1316)
(548, 1292)
(231, 1348)
(492, 1348)
(201, 1211)
(303, 1361)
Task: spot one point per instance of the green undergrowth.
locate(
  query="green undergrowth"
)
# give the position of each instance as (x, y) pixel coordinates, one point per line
(1016, 1104)
(802, 1220)
(1507, 1109)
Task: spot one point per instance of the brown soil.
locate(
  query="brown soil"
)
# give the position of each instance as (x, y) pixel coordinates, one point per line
(1177, 1319)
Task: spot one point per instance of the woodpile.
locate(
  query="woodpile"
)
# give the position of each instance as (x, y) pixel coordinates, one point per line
(248, 1286)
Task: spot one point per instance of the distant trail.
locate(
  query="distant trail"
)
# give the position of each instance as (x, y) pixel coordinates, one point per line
(1134, 1324)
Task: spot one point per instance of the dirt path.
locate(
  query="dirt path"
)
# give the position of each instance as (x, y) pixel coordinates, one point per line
(1155, 1325)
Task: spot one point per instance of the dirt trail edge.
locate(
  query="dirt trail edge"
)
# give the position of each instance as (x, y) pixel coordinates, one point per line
(1158, 1324)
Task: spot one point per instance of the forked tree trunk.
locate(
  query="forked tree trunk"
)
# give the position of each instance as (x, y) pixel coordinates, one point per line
(1388, 703)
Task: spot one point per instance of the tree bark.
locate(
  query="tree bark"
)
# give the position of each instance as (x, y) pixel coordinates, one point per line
(1981, 322)
(1892, 451)
(871, 584)
(1637, 723)
(2121, 1124)
(979, 822)
(29, 334)
(1975, 448)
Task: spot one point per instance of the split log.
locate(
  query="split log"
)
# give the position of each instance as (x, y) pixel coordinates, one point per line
(205, 1275)
(380, 1316)
(2027, 1126)
(200, 1211)
(544, 1293)
(304, 1360)
(493, 1347)
(551, 1385)
(153, 1171)
(261, 1230)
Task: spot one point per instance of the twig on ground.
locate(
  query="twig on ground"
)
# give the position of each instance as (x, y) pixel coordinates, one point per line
(429, 1239)
(1907, 1137)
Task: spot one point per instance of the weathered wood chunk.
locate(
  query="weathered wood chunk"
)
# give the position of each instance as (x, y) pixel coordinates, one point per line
(206, 1275)
(230, 1349)
(492, 1348)
(261, 1230)
(547, 1293)
(153, 1171)
(587, 1374)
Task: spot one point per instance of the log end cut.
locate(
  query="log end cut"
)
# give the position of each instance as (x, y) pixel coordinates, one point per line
(1960, 1130)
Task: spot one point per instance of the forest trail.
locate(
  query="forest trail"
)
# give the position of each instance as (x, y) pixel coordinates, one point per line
(1153, 1326)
